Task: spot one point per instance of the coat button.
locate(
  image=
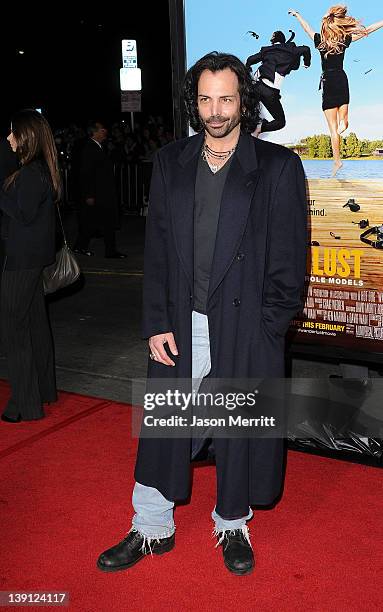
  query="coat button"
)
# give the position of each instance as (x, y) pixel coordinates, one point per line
(240, 256)
(236, 301)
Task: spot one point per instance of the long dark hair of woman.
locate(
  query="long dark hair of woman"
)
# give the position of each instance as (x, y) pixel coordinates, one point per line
(35, 142)
(215, 61)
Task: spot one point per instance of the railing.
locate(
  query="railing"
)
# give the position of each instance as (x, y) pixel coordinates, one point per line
(132, 186)
(133, 182)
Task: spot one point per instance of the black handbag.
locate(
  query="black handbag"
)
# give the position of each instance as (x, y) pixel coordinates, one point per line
(64, 271)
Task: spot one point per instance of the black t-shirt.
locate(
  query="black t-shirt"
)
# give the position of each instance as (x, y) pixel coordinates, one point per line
(208, 195)
(334, 61)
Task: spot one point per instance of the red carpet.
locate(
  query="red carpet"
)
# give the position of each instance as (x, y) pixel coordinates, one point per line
(65, 496)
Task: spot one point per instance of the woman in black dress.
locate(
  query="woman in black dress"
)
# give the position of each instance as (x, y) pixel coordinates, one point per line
(27, 201)
(338, 30)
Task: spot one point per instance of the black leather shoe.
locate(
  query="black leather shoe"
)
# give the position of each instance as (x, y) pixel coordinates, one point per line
(83, 252)
(9, 419)
(115, 255)
(129, 551)
(237, 553)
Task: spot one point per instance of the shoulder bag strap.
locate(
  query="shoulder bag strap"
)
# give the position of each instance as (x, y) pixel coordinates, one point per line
(61, 223)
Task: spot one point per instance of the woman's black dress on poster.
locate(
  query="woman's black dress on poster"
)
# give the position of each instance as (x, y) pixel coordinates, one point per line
(334, 80)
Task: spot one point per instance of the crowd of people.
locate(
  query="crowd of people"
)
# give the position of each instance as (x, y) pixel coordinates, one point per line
(123, 143)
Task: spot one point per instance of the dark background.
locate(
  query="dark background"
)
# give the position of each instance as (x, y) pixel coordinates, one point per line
(71, 61)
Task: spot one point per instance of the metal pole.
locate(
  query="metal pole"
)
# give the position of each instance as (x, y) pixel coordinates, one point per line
(178, 57)
(122, 191)
(132, 121)
(136, 184)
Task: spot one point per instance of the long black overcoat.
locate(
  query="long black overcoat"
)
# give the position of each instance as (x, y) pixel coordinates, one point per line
(97, 181)
(256, 282)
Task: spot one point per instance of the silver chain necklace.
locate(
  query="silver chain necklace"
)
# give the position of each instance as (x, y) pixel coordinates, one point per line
(221, 155)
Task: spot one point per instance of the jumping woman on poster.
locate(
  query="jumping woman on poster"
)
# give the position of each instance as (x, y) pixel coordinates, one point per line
(338, 30)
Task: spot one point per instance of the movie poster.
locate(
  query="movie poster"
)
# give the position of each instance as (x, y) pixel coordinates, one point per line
(344, 282)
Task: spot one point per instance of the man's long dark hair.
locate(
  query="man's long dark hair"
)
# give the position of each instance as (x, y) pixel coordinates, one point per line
(214, 62)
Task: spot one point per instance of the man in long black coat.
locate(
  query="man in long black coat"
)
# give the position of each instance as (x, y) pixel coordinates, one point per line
(224, 268)
(98, 206)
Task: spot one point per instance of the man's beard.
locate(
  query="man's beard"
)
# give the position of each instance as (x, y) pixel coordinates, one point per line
(220, 132)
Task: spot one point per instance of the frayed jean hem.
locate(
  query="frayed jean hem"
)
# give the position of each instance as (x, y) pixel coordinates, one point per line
(149, 540)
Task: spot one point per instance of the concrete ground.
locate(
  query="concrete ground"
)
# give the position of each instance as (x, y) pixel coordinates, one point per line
(96, 322)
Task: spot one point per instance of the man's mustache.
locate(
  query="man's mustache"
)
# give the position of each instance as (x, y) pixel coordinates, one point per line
(216, 119)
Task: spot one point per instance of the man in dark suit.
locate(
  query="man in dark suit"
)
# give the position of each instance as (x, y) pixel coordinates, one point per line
(98, 207)
(224, 267)
(278, 60)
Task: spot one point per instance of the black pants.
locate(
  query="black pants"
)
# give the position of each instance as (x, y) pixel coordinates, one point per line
(90, 221)
(27, 343)
(270, 98)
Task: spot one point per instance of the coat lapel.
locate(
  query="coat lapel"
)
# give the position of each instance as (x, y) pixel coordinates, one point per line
(182, 203)
(239, 188)
(237, 195)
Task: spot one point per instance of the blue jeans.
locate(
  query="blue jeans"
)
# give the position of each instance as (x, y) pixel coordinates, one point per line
(153, 516)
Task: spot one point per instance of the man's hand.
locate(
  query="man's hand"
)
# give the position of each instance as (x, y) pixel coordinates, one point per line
(90, 201)
(293, 12)
(156, 346)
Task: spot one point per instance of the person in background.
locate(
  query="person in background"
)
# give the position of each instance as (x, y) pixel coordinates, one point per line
(8, 165)
(338, 31)
(27, 201)
(98, 207)
(8, 160)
